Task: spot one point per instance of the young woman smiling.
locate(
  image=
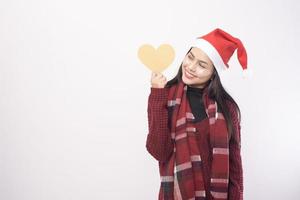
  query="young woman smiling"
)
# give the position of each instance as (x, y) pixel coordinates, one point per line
(194, 124)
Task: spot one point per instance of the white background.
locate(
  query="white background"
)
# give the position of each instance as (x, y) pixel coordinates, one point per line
(73, 94)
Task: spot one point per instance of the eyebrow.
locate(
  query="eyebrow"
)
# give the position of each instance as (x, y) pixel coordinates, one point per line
(198, 59)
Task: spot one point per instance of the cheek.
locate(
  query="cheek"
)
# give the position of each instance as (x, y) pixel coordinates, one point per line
(185, 62)
(207, 75)
(204, 76)
(203, 73)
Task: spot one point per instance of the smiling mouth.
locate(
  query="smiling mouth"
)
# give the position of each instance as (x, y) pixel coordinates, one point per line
(188, 75)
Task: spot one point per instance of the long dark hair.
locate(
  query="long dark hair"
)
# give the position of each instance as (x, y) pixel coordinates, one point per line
(216, 92)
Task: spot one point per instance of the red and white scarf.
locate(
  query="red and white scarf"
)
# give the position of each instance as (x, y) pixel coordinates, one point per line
(182, 175)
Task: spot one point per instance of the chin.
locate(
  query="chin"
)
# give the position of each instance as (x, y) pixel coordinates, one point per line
(190, 82)
(187, 81)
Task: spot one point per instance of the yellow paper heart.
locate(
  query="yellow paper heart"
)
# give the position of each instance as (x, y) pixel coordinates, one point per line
(156, 59)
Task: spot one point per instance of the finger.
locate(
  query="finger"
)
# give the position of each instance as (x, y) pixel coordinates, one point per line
(162, 77)
(159, 76)
(153, 74)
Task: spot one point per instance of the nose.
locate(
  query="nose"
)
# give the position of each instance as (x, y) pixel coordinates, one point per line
(191, 66)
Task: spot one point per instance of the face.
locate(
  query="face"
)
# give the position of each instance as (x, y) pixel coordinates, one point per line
(197, 68)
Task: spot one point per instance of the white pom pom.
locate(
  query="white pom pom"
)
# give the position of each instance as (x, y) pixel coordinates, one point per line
(247, 73)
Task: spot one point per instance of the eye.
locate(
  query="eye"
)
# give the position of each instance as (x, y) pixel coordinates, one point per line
(189, 56)
(201, 65)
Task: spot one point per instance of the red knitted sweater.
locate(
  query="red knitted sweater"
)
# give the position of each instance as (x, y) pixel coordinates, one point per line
(159, 143)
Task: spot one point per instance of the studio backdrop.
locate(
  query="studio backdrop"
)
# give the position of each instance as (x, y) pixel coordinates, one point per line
(73, 94)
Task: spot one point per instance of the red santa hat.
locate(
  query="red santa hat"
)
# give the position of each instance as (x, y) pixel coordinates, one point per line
(219, 47)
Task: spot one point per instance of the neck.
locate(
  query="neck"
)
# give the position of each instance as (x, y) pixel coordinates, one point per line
(198, 85)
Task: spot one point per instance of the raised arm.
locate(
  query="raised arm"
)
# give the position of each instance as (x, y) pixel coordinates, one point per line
(159, 143)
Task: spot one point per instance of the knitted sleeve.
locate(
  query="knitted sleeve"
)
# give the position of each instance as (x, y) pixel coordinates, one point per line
(159, 142)
(235, 161)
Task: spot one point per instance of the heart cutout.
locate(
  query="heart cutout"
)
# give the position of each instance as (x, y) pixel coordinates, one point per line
(157, 60)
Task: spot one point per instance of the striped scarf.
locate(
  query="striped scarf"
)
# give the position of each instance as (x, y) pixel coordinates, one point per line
(181, 176)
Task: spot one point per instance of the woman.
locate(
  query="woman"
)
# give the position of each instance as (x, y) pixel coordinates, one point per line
(194, 124)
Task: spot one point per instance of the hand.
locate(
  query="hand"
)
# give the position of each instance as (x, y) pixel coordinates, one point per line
(158, 80)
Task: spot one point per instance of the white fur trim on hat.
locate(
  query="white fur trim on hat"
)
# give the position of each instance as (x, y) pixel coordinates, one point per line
(211, 52)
